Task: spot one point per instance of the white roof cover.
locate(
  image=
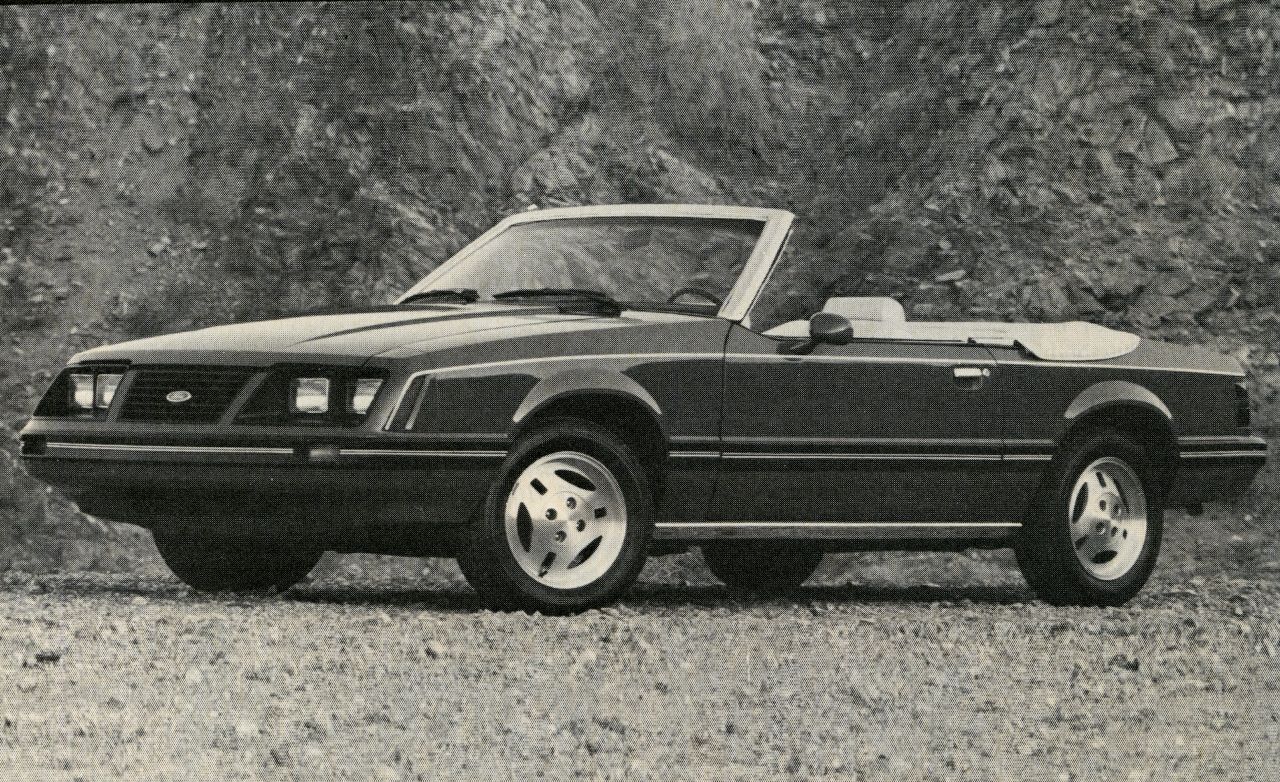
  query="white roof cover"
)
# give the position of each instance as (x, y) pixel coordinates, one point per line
(1074, 341)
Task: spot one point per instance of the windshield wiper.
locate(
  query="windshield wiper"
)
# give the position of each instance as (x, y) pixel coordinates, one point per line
(464, 295)
(601, 299)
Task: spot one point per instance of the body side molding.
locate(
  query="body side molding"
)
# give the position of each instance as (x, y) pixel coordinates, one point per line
(830, 530)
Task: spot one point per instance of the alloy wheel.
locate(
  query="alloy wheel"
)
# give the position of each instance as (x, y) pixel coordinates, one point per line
(1108, 515)
(566, 519)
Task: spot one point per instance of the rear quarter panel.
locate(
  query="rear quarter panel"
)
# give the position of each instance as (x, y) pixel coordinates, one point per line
(1195, 387)
(1192, 388)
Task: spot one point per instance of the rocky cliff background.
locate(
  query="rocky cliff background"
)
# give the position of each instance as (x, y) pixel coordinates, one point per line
(165, 167)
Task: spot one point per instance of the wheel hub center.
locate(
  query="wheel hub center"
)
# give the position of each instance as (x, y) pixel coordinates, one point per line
(563, 508)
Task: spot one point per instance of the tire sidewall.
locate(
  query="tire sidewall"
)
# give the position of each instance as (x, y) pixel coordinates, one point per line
(1088, 449)
(512, 582)
(214, 564)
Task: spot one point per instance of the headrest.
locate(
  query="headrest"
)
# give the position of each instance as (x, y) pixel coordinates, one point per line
(877, 308)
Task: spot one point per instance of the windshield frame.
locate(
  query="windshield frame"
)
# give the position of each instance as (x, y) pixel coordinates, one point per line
(777, 225)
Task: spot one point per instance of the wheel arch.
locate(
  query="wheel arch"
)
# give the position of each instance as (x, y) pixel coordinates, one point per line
(1131, 409)
(608, 399)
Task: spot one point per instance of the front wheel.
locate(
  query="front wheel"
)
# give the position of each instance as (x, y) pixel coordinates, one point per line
(210, 564)
(1095, 532)
(566, 525)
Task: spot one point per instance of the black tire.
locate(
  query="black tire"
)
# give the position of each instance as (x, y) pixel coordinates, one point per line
(760, 567)
(209, 564)
(488, 561)
(1046, 550)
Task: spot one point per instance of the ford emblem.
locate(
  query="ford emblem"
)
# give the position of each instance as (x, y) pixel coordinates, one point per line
(177, 397)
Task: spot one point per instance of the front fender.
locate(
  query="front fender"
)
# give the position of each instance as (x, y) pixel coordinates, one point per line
(583, 382)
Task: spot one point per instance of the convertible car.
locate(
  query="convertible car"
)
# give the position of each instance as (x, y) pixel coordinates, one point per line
(581, 388)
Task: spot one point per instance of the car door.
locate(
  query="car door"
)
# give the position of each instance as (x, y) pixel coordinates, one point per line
(876, 431)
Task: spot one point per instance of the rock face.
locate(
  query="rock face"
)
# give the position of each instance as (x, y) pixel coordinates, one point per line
(168, 167)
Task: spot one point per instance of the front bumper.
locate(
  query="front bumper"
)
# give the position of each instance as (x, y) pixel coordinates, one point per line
(335, 482)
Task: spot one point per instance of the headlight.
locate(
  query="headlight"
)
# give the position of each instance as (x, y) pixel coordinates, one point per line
(362, 393)
(89, 391)
(315, 396)
(310, 395)
(82, 391)
(105, 389)
(81, 388)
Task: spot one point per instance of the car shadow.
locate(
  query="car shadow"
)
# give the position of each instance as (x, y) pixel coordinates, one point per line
(808, 596)
(80, 586)
(457, 597)
(451, 598)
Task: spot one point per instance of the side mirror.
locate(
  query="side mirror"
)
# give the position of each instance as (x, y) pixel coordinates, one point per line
(830, 328)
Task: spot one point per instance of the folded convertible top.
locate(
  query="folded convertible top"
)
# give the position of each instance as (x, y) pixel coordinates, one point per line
(1074, 341)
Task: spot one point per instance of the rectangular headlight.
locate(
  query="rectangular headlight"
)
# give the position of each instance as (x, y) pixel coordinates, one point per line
(310, 395)
(105, 389)
(362, 393)
(81, 391)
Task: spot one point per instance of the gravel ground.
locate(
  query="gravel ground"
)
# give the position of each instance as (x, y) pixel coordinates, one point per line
(393, 677)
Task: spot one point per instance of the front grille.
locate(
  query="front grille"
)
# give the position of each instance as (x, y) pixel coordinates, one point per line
(212, 389)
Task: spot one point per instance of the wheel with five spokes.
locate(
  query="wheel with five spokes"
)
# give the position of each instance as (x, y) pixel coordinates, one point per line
(1095, 532)
(567, 522)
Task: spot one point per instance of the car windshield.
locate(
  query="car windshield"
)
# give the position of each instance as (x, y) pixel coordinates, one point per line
(634, 260)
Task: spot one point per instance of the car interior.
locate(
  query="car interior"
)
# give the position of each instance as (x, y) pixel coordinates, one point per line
(883, 318)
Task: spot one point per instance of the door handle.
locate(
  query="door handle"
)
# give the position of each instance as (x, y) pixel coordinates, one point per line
(970, 374)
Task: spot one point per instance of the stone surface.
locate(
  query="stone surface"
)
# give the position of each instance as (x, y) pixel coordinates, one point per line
(866, 674)
(1066, 156)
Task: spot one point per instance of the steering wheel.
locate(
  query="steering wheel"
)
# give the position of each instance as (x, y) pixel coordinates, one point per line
(696, 292)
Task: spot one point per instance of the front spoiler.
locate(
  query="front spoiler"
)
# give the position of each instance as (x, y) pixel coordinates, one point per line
(330, 481)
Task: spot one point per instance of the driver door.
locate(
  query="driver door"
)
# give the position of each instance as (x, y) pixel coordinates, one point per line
(876, 431)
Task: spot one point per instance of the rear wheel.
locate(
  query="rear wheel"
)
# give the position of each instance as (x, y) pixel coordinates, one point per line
(213, 565)
(760, 566)
(566, 525)
(1094, 534)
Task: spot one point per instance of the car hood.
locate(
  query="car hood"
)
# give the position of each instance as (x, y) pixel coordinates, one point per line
(348, 338)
